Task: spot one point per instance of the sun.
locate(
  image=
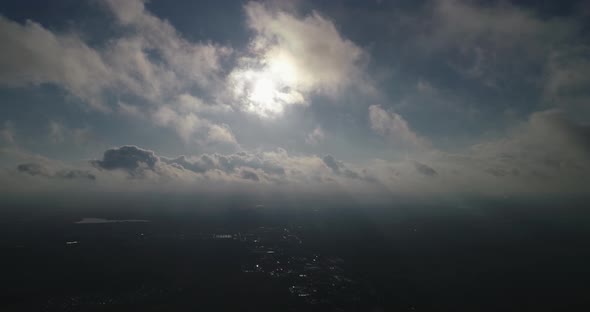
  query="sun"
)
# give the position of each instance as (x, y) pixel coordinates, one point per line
(264, 92)
(268, 88)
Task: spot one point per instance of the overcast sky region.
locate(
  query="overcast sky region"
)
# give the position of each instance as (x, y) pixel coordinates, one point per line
(368, 99)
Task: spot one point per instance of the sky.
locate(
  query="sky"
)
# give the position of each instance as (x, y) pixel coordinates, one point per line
(367, 99)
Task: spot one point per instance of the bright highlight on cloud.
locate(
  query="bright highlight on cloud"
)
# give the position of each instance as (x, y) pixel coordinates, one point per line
(393, 126)
(291, 58)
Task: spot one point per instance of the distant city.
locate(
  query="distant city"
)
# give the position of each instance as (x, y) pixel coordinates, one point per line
(270, 253)
(315, 279)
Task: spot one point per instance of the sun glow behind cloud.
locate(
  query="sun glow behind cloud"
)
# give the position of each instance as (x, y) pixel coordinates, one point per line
(268, 86)
(285, 64)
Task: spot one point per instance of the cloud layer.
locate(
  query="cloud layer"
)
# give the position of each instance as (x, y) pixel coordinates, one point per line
(548, 154)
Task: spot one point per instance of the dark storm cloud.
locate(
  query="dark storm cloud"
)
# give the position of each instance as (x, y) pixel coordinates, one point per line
(424, 169)
(128, 158)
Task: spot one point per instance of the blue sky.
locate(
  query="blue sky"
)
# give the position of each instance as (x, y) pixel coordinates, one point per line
(371, 98)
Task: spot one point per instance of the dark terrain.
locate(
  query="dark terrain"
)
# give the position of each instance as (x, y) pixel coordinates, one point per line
(428, 258)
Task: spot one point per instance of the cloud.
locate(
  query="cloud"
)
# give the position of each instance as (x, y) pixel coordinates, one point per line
(331, 162)
(130, 169)
(36, 169)
(185, 125)
(199, 165)
(187, 103)
(128, 158)
(547, 153)
(167, 80)
(548, 142)
(425, 87)
(129, 110)
(270, 168)
(341, 169)
(33, 169)
(567, 81)
(192, 128)
(492, 42)
(503, 24)
(59, 133)
(7, 132)
(140, 163)
(34, 55)
(229, 163)
(424, 169)
(394, 127)
(324, 62)
(249, 175)
(286, 64)
(75, 174)
(220, 134)
(315, 137)
(148, 63)
(195, 63)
